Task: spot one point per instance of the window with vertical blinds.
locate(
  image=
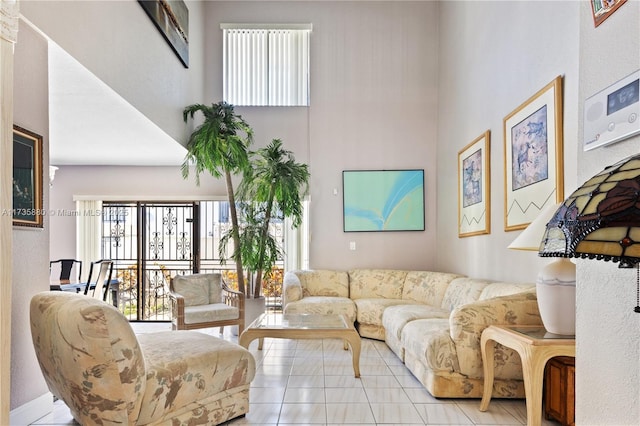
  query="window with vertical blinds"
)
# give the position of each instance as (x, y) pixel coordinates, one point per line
(266, 65)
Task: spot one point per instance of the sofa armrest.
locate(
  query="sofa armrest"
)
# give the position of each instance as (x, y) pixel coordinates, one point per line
(291, 288)
(467, 322)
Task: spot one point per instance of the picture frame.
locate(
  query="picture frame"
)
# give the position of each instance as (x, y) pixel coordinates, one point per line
(27, 178)
(383, 200)
(533, 156)
(602, 9)
(474, 187)
(171, 18)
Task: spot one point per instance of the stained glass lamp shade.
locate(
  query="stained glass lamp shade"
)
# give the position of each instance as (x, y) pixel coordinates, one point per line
(601, 219)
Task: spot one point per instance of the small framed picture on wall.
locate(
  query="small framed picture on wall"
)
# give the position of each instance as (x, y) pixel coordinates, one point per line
(474, 187)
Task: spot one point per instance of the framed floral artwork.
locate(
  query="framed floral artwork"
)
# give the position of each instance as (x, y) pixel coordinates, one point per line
(474, 187)
(533, 158)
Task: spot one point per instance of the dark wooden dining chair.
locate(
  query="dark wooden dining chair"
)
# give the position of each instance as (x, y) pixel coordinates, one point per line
(99, 279)
(65, 271)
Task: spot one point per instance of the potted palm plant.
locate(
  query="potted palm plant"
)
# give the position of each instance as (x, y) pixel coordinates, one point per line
(220, 146)
(275, 182)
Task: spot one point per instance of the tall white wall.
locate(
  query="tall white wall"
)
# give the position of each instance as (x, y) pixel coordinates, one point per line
(493, 57)
(608, 331)
(117, 42)
(373, 106)
(30, 245)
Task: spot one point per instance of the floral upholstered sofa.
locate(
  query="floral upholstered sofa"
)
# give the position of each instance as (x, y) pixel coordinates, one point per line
(431, 320)
(92, 360)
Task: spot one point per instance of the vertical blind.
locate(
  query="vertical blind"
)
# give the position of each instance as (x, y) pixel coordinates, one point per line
(266, 66)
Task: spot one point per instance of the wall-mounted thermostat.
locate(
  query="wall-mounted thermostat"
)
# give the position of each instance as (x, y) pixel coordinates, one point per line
(613, 114)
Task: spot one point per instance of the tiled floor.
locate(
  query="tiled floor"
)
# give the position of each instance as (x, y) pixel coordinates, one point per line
(310, 382)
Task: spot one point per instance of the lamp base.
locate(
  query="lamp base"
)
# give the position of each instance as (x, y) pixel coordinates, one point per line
(556, 290)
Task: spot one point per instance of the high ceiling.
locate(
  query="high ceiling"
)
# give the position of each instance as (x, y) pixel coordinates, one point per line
(90, 124)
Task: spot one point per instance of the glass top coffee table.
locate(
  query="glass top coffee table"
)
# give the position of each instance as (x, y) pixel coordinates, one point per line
(304, 326)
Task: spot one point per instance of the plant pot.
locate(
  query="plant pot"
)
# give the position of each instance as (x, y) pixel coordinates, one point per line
(253, 307)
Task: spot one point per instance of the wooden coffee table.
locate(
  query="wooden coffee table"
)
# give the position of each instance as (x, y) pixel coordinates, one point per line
(304, 326)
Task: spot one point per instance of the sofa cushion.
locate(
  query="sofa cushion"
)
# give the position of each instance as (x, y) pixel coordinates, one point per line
(210, 312)
(320, 282)
(186, 366)
(396, 317)
(323, 305)
(462, 291)
(372, 283)
(504, 289)
(369, 311)
(426, 286)
(194, 289)
(429, 339)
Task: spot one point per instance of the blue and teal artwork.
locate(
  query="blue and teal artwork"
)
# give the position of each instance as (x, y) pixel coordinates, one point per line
(383, 200)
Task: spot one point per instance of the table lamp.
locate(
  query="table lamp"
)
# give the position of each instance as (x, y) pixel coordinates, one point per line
(600, 220)
(556, 282)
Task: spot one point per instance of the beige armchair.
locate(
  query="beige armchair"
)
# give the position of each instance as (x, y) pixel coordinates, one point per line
(205, 300)
(92, 360)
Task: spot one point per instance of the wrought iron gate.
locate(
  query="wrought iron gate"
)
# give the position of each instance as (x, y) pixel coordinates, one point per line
(149, 243)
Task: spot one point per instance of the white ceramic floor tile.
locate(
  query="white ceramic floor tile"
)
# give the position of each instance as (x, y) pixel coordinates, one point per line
(343, 381)
(266, 395)
(312, 369)
(303, 414)
(387, 395)
(495, 415)
(269, 381)
(442, 414)
(407, 381)
(349, 413)
(395, 413)
(380, 382)
(306, 381)
(274, 369)
(341, 370)
(345, 395)
(308, 395)
(516, 407)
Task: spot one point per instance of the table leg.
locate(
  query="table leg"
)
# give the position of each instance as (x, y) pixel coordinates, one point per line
(354, 342)
(488, 351)
(533, 375)
(260, 343)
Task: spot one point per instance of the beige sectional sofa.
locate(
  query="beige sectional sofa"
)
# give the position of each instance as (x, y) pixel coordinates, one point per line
(431, 320)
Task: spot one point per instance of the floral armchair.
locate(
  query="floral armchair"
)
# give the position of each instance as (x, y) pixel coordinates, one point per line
(92, 360)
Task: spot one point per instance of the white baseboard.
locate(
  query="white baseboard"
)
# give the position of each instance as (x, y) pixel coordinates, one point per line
(31, 411)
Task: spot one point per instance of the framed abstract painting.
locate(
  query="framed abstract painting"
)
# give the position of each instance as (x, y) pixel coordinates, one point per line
(474, 187)
(533, 168)
(383, 200)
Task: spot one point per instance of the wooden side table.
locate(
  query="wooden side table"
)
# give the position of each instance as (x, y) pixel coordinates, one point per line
(535, 347)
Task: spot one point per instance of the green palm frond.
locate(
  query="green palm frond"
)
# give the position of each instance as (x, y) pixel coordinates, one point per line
(220, 146)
